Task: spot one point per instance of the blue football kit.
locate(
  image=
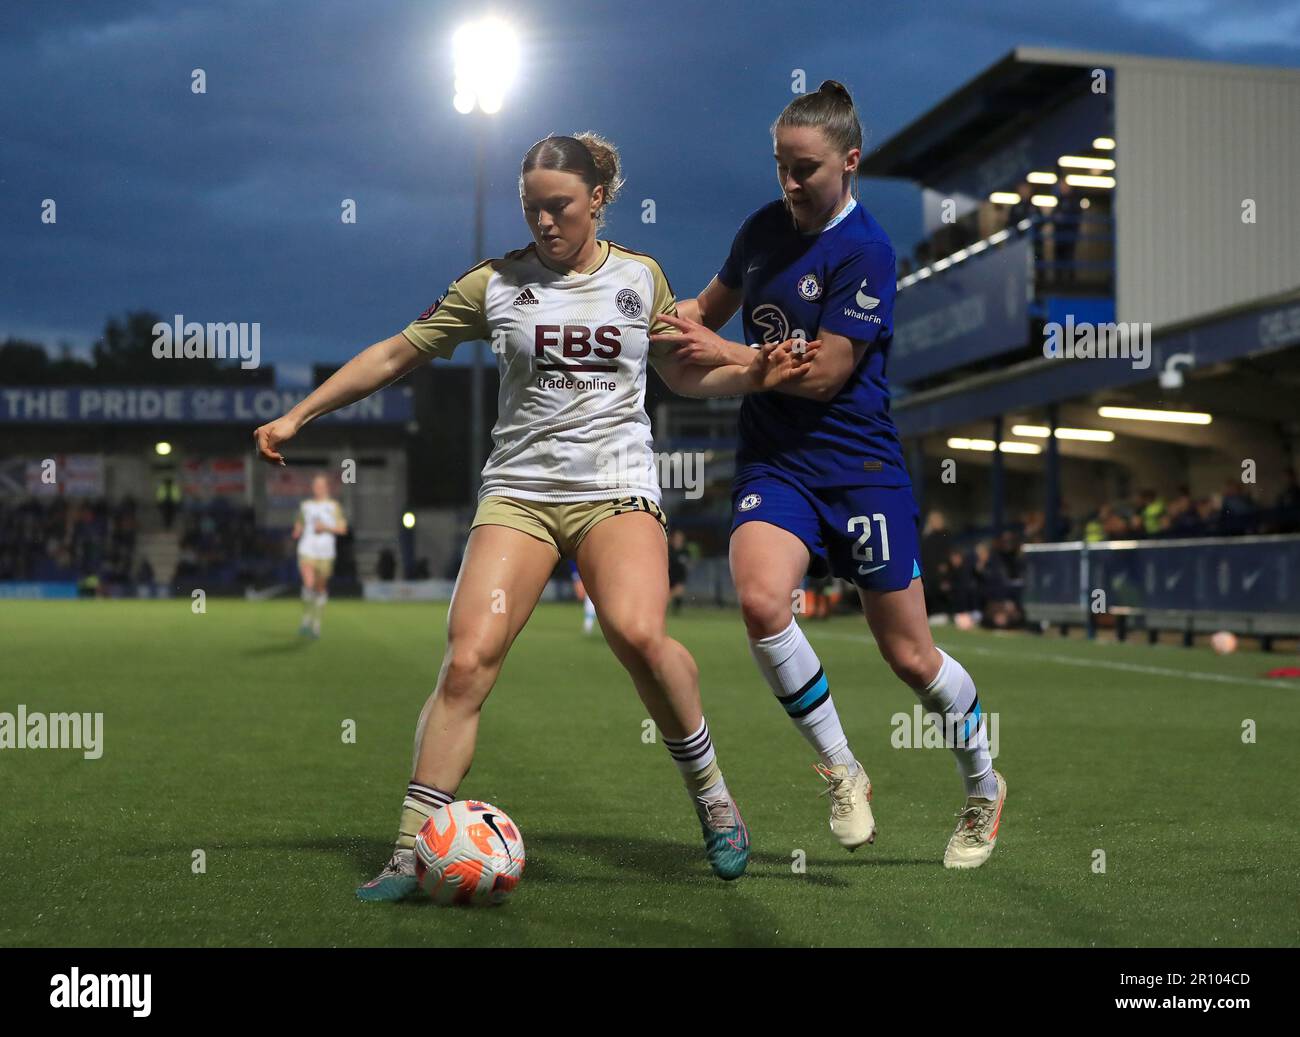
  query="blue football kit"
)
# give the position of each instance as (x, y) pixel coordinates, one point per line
(832, 472)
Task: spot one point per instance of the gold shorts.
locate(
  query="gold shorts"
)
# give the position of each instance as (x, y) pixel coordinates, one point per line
(322, 567)
(563, 525)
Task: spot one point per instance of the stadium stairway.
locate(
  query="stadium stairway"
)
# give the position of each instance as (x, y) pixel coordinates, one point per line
(162, 548)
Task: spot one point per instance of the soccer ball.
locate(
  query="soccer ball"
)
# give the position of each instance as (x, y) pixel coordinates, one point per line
(1224, 642)
(469, 853)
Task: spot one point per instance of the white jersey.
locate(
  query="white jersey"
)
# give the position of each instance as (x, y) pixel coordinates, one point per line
(571, 350)
(312, 544)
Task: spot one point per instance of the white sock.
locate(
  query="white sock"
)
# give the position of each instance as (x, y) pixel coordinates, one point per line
(588, 614)
(308, 600)
(796, 677)
(698, 763)
(321, 598)
(952, 695)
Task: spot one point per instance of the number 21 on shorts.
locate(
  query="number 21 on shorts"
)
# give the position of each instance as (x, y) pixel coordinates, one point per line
(863, 553)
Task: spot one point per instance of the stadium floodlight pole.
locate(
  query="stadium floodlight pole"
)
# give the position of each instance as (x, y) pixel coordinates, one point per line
(486, 57)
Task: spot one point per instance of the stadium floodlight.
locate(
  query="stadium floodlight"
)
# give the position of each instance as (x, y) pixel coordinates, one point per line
(1004, 197)
(1082, 180)
(408, 520)
(1044, 200)
(162, 449)
(1091, 435)
(1104, 143)
(1041, 177)
(1085, 162)
(485, 54)
(1180, 417)
(988, 446)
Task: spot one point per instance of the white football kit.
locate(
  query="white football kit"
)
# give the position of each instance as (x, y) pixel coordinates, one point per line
(312, 544)
(571, 350)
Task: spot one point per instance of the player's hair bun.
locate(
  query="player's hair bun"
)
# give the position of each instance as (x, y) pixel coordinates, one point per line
(830, 109)
(608, 168)
(837, 90)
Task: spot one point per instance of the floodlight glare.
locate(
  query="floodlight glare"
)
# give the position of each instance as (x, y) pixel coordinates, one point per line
(486, 60)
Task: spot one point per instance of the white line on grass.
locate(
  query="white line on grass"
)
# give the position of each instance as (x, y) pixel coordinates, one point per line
(1102, 664)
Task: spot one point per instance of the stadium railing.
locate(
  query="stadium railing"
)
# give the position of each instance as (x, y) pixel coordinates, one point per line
(1248, 585)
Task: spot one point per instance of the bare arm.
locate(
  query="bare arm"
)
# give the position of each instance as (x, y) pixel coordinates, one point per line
(699, 382)
(367, 372)
(837, 359)
(767, 368)
(713, 307)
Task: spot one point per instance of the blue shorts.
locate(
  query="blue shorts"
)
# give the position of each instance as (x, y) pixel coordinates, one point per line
(866, 534)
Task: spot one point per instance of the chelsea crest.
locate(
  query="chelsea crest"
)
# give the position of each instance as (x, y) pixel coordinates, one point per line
(810, 287)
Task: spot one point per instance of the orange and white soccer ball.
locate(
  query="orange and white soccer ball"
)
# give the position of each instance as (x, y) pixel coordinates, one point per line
(469, 853)
(1224, 642)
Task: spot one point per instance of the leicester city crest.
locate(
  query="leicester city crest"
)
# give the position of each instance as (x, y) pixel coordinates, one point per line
(628, 303)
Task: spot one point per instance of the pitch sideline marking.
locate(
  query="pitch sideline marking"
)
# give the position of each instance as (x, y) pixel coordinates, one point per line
(1067, 660)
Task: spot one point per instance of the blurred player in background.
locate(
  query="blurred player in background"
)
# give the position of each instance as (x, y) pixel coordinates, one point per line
(320, 519)
(588, 606)
(820, 475)
(679, 565)
(572, 315)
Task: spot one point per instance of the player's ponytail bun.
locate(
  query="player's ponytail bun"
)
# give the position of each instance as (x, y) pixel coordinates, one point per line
(608, 168)
(831, 110)
(589, 155)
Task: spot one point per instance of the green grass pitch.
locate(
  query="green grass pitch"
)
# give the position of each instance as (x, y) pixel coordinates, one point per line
(223, 732)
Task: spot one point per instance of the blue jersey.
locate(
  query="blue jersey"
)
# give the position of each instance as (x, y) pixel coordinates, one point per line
(841, 280)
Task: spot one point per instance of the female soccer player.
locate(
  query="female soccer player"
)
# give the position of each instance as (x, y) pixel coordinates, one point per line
(571, 474)
(819, 469)
(319, 521)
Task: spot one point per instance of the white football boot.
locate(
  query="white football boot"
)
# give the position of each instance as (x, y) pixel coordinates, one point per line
(977, 830)
(852, 822)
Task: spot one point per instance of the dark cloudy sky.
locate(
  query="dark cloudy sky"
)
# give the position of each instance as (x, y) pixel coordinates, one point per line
(225, 206)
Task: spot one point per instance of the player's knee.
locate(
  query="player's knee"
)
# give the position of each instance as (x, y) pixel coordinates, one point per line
(468, 671)
(910, 661)
(638, 640)
(764, 612)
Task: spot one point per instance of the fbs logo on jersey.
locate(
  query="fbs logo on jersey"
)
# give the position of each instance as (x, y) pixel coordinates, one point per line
(526, 298)
(579, 346)
(749, 502)
(867, 302)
